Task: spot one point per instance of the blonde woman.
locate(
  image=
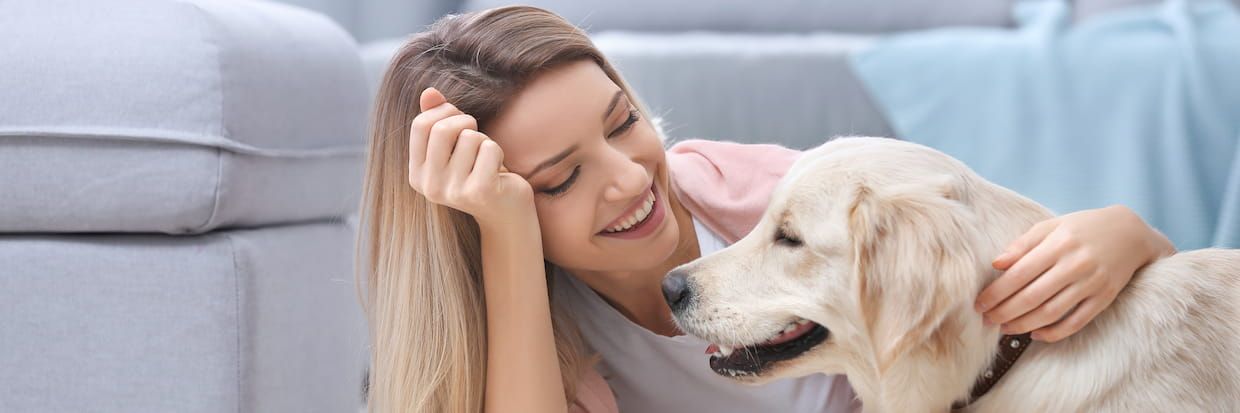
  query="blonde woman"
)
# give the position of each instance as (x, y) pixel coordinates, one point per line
(517, 195)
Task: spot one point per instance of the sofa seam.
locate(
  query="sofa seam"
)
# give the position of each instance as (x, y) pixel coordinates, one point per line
(215, 195)
(215, 202)
(223, 132)
(232, 247)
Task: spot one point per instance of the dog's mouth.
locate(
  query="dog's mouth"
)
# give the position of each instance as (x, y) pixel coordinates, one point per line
(795, 339)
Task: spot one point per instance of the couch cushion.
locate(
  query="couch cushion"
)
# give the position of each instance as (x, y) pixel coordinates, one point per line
(231, 321)
(175, 116)
(861, 16)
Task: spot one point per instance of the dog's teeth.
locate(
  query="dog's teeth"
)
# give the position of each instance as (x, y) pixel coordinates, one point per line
(790, 328)
(725, 351)
(802, 321)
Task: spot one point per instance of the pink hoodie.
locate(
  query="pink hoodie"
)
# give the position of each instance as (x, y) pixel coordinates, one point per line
(727, 187)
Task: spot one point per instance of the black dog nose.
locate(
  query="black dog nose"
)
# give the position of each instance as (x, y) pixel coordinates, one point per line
(676, 289)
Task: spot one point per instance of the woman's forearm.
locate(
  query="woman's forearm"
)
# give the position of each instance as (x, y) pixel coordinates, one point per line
(523, 371)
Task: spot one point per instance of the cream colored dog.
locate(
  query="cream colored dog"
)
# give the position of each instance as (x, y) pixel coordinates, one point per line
(867, 263)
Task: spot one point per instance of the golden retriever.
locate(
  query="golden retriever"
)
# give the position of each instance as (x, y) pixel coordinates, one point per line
(867, 263)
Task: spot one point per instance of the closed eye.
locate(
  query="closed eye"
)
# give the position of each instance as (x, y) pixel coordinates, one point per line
(782, 237)
(561, 188)
(624, 127)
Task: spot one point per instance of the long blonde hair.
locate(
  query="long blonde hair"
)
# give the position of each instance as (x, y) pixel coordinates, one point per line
(420, 263)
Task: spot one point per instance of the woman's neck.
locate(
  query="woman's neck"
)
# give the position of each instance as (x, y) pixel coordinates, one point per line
(638, 295)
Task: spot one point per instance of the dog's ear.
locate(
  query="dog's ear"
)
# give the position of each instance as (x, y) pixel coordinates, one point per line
(913, 252)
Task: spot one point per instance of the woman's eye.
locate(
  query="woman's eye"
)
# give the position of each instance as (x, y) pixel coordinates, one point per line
(559, 189)
(624, 127)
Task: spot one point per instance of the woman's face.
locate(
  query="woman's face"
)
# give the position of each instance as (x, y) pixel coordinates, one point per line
(593, 162)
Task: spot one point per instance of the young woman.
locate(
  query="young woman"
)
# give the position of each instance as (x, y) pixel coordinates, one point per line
(509, 159)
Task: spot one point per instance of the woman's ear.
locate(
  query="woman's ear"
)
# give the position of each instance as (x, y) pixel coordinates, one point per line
(913, 254)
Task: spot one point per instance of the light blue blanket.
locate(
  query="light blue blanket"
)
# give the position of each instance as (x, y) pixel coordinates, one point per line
(1139, 107)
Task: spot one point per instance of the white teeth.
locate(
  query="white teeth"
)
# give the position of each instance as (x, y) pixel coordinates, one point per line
(737, 373)
(725, 351)
(792, 326)
(638, 215)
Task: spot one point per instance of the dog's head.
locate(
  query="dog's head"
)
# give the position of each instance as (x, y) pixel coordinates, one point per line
(870, 254)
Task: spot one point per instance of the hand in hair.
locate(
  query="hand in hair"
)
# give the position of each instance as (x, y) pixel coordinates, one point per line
(451, 163)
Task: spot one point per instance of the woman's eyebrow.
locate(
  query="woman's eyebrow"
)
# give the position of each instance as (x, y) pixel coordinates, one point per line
(612, 106)
(552, 161)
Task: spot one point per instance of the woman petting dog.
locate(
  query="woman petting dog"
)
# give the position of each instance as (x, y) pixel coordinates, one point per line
(520, 211)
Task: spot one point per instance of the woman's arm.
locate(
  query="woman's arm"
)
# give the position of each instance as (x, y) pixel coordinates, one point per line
(451, 163)
(523, 370)
(1064, 271)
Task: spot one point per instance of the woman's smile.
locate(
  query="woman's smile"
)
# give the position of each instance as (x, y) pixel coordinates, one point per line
(641, 219)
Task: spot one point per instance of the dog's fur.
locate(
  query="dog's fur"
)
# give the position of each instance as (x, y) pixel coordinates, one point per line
(896, 244)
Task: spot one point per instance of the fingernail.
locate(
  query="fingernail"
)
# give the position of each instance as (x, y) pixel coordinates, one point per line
(1002, 257)
(987, 323)
(981, 307)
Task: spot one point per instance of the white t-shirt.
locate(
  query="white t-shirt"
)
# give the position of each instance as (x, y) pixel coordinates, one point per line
(650, 373)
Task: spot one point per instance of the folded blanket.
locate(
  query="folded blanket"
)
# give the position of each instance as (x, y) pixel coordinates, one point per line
(1139, 107)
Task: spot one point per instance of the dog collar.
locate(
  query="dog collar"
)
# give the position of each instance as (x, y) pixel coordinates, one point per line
(1010, 349)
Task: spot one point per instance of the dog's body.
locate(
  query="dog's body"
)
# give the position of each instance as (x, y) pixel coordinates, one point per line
(1168, 343)
(867, 263)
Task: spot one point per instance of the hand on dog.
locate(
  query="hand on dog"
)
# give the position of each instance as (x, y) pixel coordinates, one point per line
(1064, 271)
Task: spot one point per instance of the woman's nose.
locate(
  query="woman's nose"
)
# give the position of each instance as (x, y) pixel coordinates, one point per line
(628, 180)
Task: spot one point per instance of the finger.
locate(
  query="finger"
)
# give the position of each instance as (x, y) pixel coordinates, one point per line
(489, 161)
(430, 98)
(1074, 322)
(443, 138)
(1050, 311)
(420, 130)
(464, 154)
(1017, 277)
(1042, 288)
(1023, 244)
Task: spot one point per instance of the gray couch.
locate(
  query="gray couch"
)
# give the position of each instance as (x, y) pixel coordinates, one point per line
(175, 178)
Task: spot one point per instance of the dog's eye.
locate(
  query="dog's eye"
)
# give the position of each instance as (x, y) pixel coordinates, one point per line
(783, 238)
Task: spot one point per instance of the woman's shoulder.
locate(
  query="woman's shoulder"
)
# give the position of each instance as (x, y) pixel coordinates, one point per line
(727, 185)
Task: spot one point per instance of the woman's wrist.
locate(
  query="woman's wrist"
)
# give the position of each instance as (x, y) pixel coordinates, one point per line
(1157, 244)
(509, 223)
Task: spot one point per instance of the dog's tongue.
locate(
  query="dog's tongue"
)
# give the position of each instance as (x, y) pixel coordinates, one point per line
(712, 349)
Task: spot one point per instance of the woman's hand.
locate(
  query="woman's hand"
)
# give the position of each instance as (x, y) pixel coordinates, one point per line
(1064, 271)
(452, 164)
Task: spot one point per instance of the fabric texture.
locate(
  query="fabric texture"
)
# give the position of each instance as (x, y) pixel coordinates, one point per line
(726, 187)
(773, 15)
(235, 321)
(175, 116)
(1136, 107)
